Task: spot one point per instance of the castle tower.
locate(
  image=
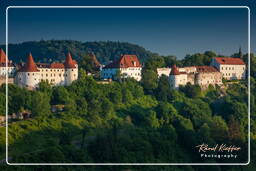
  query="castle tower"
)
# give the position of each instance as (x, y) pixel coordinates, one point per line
(177, 78)
(71, 70)
(28, 76)
(240, 54)
(95, 60)
(3, 58)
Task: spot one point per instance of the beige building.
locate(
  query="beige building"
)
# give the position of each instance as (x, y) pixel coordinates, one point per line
(199, 75)
(31, 74)
(230, 68)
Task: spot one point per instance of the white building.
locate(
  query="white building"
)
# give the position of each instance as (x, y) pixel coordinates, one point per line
(198, 75)
(9, 70)
(31, 74)
(231, 68)
(177, 78)
(127, 65)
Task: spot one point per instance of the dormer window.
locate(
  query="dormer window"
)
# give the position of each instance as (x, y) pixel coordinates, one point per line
(134, 63)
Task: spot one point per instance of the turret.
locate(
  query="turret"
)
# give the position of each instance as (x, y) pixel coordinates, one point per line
(71, 70)
(28, 76)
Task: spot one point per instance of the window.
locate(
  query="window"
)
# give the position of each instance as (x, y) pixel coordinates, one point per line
(28, 74)
(46, 75)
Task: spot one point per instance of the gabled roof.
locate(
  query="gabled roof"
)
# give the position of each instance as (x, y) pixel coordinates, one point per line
(30, 66)
(69, 62)
(94, 59)
(175, 70)
(229, 61)
(125, 61)
(206, 69)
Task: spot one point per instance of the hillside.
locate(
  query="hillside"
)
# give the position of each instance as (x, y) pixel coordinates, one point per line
(54, 50)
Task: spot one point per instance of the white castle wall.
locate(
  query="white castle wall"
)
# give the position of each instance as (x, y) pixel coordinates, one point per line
(230, 72)
(28, 79)
(9, 70)
(177, 80)
(54, 76)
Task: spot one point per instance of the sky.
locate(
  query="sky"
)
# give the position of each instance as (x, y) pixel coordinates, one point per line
(165, 31)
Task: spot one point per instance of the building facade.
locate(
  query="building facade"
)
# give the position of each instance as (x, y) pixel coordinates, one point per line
(127, 66)
(31, 74)
(195, 75)
(230, 68)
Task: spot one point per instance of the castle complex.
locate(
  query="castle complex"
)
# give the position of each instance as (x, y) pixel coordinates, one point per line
(31, 74)
(221, 67)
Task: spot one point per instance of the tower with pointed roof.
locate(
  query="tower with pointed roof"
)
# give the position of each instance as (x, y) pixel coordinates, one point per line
(29, 75)
(10, 69)
(240, 53)
(71, 70)
(177, 78)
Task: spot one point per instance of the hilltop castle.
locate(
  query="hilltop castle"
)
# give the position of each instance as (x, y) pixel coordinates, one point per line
(220, 67)
(31, 74)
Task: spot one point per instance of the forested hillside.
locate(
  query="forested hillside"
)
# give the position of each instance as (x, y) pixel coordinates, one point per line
(55, 50)
(128, 121)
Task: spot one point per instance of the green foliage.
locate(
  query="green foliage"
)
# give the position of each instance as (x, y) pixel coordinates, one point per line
(127, 121)
(192, 91)
(149, 80)
(55, 50)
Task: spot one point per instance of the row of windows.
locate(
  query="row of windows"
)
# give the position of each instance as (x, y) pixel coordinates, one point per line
(228, 74)
(54, 70)
(52, 75)
(230, 68)
(109, 74)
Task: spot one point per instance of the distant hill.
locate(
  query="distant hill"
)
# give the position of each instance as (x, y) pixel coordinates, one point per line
(55, 50)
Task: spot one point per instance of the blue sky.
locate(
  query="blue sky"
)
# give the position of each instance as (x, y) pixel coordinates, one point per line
(165, 31)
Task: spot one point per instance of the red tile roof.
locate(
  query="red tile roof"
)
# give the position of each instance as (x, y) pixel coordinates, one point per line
(57, 65)
(125, 61)
(30, 66)
(229, 61)
(2, 56)
(206, 69)
(175, 70)
(96, 62)
(69, 62)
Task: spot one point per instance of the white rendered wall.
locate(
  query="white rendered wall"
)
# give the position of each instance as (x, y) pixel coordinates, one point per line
(133, 72)
(10, 70)
(28, 79)
(177, 80)
(233, 72)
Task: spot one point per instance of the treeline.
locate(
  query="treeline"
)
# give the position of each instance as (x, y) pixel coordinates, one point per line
(55, 50)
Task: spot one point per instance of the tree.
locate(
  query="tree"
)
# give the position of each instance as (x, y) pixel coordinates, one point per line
(45, 87)
(163, 89)
(152, 119)
(2, 103)
(192, 91)
(149, 80)
(41, 105)
(219, 129)
(60, 95)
